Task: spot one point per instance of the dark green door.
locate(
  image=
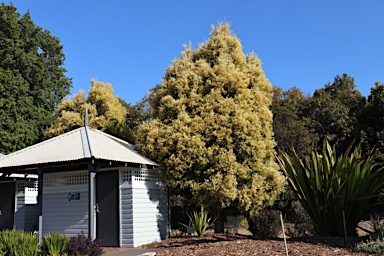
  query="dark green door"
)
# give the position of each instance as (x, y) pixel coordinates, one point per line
(7, 205)
(107, 199)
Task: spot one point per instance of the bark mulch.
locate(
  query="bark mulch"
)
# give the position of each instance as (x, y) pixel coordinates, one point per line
(222, 244)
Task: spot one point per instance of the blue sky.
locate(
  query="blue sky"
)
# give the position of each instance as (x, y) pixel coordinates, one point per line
(131, 43)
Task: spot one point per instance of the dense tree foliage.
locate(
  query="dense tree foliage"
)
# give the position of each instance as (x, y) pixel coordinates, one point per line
(373, 120)
(289, 128)
(107, 112)
(212, 127)
(32, 80)
(334, 111)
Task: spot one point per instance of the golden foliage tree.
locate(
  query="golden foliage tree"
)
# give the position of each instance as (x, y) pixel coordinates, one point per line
(106, 112)
(212, 127)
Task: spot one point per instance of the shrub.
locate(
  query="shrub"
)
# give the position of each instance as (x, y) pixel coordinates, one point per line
(370, 247)
(377, 228)
(15, 243)
(199, 221)
(302, 224)
(265, 224)
(84, 245)
(54, 244)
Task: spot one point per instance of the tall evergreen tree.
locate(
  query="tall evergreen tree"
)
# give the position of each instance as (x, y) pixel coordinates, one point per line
(212, 127)
(32, 79)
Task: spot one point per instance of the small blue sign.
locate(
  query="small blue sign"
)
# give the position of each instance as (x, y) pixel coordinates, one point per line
(73, 196)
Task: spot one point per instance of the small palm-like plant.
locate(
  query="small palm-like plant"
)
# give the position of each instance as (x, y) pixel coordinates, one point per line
(3, 250)
(16, 242)
(54, 244)
(199, 221)
(328, 185)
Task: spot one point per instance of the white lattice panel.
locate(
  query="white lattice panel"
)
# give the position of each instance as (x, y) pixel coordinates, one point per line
(65, 178)
(147, 175)
(27, 185)
(127, 175)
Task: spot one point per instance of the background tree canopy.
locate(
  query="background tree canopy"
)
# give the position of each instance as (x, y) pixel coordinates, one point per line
(32, 80)
(334, 111)
(212, 127)
(372, 120)
(107, 112)
(289, 127)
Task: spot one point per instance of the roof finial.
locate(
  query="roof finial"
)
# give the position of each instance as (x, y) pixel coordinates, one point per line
(86, 117)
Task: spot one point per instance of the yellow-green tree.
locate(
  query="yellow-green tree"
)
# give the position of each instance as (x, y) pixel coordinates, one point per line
(212, 127)
(106, 112)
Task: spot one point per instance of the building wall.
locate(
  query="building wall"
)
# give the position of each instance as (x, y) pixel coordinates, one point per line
(65, 203)
(150, 222)
(150, 207)
(26, 206)
(126, 235)
(143, 207)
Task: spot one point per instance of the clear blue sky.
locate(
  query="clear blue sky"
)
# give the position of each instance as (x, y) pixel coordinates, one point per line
(131, 43)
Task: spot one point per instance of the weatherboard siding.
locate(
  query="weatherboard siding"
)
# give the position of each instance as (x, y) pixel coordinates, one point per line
(149, 211)
(26, 215)
(143, 207)
(64, 216)
(126, 216)
(26, 207)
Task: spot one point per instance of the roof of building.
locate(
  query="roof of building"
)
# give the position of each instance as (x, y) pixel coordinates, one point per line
(82, 143)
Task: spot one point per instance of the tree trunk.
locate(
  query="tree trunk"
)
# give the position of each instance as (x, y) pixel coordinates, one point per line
(219, 222)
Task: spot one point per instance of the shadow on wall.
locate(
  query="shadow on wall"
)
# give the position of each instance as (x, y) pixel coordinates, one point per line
(27, 217)
(158, 194)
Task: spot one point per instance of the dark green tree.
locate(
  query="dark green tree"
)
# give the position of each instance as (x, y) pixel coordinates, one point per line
(288, 127)
(136, 115)
(32, 79)
(333, 112)
(373, 120)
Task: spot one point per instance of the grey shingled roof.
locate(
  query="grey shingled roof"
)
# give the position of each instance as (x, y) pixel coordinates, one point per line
(82, 143)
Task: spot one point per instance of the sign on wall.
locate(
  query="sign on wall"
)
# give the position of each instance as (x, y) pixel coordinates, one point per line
(73, 196)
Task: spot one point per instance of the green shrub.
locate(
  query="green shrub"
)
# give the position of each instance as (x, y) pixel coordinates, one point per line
(301, 223)
(328, 185)
(377, 228)
(19, 243)
(54, 244)
(199, 221)
(265, 224)
(370, 247)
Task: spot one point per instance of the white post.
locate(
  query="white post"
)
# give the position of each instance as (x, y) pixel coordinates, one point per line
(40, 202)
(40, 228)
(285, 240)
(91, 203)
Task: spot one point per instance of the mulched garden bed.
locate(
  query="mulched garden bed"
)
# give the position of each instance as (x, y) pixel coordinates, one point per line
(223, 244)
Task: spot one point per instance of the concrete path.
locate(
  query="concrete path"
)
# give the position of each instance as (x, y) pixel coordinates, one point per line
(129, 252)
